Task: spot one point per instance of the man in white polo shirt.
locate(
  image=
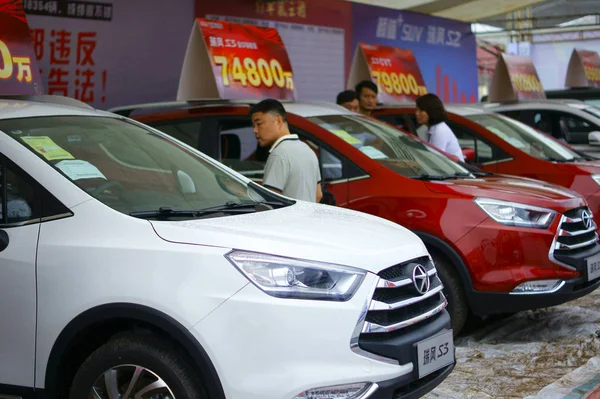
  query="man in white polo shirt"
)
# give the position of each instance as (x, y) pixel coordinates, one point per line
(292, 168)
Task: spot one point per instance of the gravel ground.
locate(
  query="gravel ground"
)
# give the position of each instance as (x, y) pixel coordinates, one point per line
(520, 355)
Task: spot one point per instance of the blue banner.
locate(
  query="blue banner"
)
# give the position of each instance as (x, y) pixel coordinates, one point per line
(446, 50)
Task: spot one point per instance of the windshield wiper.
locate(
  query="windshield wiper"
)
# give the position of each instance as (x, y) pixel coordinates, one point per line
(459, 174)
(166, 212)
(431, 177)
(559, 160)
(242, 205)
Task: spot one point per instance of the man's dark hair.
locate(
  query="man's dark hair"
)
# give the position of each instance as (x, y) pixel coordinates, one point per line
(365, 84)
(434, 107)
(271, 106)
(346, 96)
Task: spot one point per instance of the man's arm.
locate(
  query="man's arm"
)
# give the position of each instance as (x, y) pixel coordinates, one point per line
(319, 193)
(276, 173)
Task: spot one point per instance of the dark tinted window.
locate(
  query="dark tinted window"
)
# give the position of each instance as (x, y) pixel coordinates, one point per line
(485, 152)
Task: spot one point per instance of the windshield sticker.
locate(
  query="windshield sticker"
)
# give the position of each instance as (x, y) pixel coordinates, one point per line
(78, 170)
(47, 148)
(347, 137)
(373, 152)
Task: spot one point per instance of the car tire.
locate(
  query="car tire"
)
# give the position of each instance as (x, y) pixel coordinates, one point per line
(458, 306)
(121, 359)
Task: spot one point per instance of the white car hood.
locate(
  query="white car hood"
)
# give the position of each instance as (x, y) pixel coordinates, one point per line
(304, 230)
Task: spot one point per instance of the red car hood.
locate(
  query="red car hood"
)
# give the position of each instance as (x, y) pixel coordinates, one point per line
(591, 167)
(522, 190)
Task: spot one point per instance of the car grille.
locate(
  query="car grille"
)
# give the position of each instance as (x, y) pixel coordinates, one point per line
(576, 232)
(397, 302)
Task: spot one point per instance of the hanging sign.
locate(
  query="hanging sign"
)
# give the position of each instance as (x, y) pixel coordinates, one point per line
(19, 73)
(583, 69)
(235, 61)
(395, 72)
(515, 78)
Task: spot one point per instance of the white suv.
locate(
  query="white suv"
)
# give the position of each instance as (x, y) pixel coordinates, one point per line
(133, 266)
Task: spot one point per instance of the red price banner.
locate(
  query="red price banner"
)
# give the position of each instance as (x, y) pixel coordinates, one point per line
(19, 74)
(248, 61)
(395, 71)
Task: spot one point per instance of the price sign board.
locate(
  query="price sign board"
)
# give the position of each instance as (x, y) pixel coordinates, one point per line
(235, 61)
(395, 72)
(583, 69)
(19, 73)
(515, 78)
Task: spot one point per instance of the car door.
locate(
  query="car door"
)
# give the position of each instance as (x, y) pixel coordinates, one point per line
(337, 171)
(20, 214)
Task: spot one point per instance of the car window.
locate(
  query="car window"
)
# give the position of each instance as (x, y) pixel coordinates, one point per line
(187, 131)
(485, 152)
(575, 123)
(239, 149)
(19, 194)
(594, 103)
(394, 149)
(127, 166)
(524, 137)
(593, 110)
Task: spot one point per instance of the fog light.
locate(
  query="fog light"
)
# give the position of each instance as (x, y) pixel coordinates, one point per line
(539, 287)
(349, 391)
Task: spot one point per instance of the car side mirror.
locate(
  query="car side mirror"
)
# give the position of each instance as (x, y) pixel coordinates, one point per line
(594, 138)
(469, 154)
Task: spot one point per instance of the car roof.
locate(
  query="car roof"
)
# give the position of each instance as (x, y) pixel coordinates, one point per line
(458, 109)
(305, 109)
(557, 104)
(12, 107)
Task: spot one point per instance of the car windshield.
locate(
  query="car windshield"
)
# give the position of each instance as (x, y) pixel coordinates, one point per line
(594, 110)
(134, 169)
(524, 137)
(396, 150)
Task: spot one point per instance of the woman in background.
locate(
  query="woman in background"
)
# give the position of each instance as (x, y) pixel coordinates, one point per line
(431, 113)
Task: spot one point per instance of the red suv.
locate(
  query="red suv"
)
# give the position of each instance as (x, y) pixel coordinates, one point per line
(499, 144)
(500, 245)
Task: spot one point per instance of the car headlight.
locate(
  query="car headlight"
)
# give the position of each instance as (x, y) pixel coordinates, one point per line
(515, 214)
(596, 179)
(295, 278)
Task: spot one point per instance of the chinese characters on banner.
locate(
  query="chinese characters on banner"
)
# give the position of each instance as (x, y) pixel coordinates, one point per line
(446, 50)
(71, 66)
(19, 73)
(69, 9)
(395, 71)
(282, 9)
(248, 61)
(397, 28)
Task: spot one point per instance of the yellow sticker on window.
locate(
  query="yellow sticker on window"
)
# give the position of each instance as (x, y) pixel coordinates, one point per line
(47, 148)
(347, 137)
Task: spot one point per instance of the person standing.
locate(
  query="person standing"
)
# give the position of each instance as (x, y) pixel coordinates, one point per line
(366, 91)
(431, 113)
(348, 100)
(292, 168)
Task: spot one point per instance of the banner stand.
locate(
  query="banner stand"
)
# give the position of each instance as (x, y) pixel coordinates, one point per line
(226, 60)
(395, 72)
(515, 78)
(583, 69)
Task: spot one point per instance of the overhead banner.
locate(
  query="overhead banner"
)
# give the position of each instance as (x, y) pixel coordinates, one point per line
(395, 72)
(445, 50)
(515, 78)
(19, 74)
(235, 61)
(583, 69)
